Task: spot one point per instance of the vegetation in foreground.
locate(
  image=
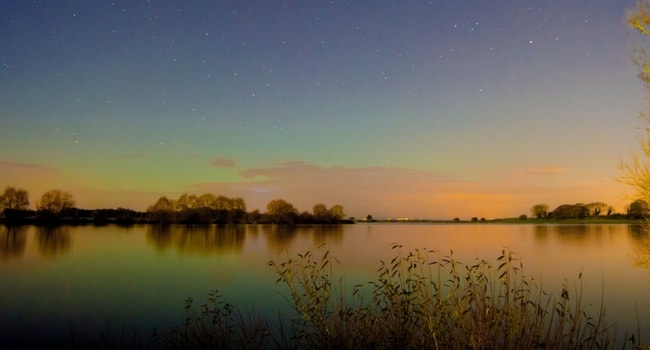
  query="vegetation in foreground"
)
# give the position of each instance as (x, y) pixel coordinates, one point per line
(418, 301)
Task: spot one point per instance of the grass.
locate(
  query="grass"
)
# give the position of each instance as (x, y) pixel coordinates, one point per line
(422, 302)
(419, 300)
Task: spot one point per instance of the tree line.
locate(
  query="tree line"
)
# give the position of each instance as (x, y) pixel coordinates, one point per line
(59, 206)
(638, 209)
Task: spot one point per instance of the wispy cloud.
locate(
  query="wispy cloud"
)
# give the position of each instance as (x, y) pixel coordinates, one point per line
(543, 170)
(390, 191)
(15, 168)
(223, 162)
(136, 156)
(18, 166)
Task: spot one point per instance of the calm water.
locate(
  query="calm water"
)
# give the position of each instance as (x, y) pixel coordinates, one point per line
(136, 278)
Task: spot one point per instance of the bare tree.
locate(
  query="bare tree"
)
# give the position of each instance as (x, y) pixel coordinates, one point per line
(55, 200)
(14, 198)
(636, 172)
(539, 210)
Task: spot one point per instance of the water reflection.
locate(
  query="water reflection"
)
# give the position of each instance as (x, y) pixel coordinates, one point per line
(639, 232)
(280, 237)
(12, 241)
(541, 232)
(329, 233)
(641, 237)
(570, 233)
(53, 240)
(203, 239)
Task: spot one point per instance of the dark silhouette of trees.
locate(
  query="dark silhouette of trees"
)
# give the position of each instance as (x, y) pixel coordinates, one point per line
(54, 201)
(162, 211)
(281, 212)
(322, 215)
(539, 210)
(163, 203)
(13, 198)
(596, 208)
(570, 211)
(185, 202)
(320, 211)
(639, 209)
(204, 209)
(58, 207)
(336, 212)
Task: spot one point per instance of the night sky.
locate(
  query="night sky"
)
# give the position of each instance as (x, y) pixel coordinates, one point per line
(431, 109)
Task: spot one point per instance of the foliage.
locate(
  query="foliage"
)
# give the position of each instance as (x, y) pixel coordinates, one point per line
(539, 210)
(281, 211)
(324, 216)
(570, 211)
(636, 173)
(596, 208)
(204, 209)
(639, 209)
(13, 198)
(54, 201)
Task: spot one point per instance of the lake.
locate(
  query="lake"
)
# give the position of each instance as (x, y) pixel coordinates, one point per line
(80, 279)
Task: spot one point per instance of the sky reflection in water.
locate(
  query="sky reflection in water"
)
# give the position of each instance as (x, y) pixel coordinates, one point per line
(89, 277)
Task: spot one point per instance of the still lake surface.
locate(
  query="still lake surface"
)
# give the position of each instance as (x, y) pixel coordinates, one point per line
(86, 278)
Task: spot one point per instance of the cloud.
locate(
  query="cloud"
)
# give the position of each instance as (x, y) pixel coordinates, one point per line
(543, 170)
(378, 190)
(223, 162)
(27, 167)
(36, 178)
(136, 156)
(393, 192)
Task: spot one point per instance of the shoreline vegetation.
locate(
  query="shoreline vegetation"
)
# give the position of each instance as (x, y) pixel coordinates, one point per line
(207, 216)
(57, 207)
(127, 217)
(418, 300)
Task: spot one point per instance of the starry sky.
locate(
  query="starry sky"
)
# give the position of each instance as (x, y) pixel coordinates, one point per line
(434, 109)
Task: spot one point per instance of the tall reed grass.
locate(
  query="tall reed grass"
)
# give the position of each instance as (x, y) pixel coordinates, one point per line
(419, 300)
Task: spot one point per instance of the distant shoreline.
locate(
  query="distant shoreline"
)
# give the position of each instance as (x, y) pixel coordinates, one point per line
(39, 221)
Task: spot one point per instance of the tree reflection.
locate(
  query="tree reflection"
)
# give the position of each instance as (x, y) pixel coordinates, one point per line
(571, 232)
(160, 235)
(12, 241)
(203, 239)
(328, 233)
(53, 240)
(279, 236)
(541, 232)
(640, 235)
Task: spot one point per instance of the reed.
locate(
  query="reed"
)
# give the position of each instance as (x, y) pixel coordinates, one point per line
(421, 300)
(214, 325)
